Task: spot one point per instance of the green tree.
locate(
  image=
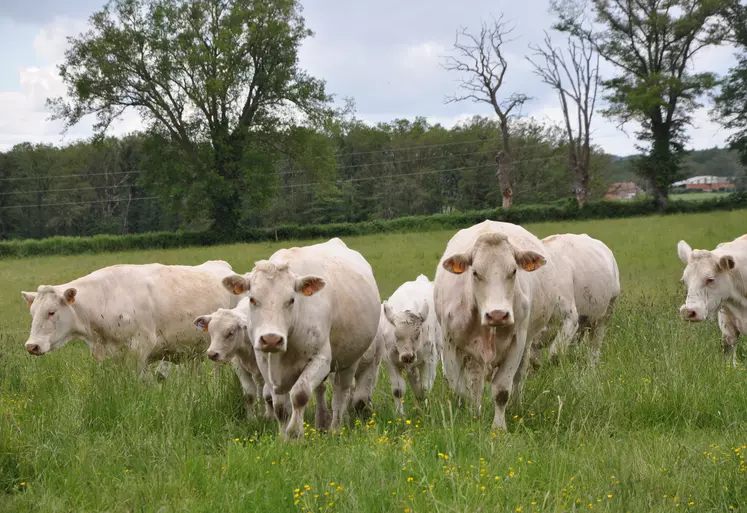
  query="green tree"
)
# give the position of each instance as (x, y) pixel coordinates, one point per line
(219, 78)
(652, 43)
(729, 107)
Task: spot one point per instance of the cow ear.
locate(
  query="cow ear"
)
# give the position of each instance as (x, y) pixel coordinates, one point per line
(727, 263)
(28, 297)
(69, 295)
(457, 264)
(236, 284)
(683, 251)
(529, 260)
(309, 285)
(388, 313)
(203, 322)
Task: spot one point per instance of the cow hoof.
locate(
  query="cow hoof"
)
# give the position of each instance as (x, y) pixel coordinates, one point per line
(323, 421)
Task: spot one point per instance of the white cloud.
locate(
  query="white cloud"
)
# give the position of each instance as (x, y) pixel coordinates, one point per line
(25, 116)
(51, 41)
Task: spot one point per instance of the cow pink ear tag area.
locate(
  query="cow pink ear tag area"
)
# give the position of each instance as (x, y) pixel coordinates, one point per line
(308, 289)
(236, 290)
(457, 267)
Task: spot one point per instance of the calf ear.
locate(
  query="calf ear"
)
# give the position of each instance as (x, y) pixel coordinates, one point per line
(28, 297)
(727, 263)
(529, 260)
(423, 312)
(683, 251)
(388, 313)
(457, 264)
(69, 295)
(236, 284)
(203, 322)
(309, 285)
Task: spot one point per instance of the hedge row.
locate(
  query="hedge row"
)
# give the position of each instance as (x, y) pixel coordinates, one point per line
(519, 215)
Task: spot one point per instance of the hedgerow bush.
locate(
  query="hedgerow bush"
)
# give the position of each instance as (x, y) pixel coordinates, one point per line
(558, 211)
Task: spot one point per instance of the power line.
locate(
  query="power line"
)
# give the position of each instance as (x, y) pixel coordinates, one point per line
(432, 171)
(79, 203)
(49, 177)
(287, 186)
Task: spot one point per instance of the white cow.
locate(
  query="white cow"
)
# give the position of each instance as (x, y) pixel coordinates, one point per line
(717, 283)
(494, 290)
(229, 341)
(413, 338)
(145, 308)
(589, 267)
(313, 310)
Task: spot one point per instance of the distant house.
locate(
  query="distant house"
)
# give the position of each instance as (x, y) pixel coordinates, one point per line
(705, 182)
(622, 190)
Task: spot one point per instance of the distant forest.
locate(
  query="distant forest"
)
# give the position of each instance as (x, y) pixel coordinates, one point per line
(353, 172)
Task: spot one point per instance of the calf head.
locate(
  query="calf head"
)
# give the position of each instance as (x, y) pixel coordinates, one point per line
(53, 321)
(707, 276)
(408, 326)
(228, 330)
(494, 263)
(274, 293)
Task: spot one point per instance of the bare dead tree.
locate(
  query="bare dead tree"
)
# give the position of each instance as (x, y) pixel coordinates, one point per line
(480, 59)
(574, 75)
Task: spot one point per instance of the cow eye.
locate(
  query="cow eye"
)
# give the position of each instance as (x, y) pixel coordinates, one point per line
(50, 314)
(475, 274)
(512, 273)
(291, 301)
(709, 281)
(252, 301)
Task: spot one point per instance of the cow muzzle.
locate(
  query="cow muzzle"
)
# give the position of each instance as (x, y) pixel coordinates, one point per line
(693, 313)
(214, 355)
(498, 318)
(407, 358)
(271, 343)
(33, 349)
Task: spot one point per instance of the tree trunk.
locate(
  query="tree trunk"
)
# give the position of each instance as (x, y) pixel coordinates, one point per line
(226, 200)
(663, 165)
(504, 174)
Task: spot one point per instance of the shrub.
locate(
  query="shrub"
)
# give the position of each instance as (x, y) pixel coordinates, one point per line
(556, 211)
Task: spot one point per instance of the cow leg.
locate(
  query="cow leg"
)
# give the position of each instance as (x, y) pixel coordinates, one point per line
(248, 386)
(311, 377)
(564, 335)
(341, 387)
(365, 382)
(474, 371)
(504, 376)
(398, 386)
(729, 336)
(415, 382)
(595, 340)
(428, 371)
(269, 402)
(322, 417)
(281, 407)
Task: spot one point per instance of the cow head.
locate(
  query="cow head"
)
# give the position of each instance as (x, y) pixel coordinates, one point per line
(708, 281)
(274, 293)
(493, 263)
(53, 320)
(408, 326)
(228, 330)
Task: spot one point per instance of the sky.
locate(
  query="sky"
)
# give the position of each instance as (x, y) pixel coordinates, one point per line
(386, 55)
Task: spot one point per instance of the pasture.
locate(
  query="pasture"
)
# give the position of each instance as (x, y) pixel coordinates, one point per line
(659, 425)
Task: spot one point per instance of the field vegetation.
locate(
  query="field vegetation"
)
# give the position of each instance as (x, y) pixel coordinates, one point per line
(659, 425)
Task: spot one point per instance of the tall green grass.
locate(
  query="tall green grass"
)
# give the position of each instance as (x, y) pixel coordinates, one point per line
(659, 425)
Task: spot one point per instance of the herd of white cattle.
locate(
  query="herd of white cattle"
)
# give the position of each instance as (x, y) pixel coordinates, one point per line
(500, 295)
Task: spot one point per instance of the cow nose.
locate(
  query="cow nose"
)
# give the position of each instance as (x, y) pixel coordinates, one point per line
(407, 357)
(498, 317)
(270, 342)
(690, 314)
(213, 355)
(32, 348)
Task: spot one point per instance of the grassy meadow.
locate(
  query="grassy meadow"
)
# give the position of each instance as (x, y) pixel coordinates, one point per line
(659, 425)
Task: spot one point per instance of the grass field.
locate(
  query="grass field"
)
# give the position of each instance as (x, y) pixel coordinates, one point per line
(699, 196)
(659, 425)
